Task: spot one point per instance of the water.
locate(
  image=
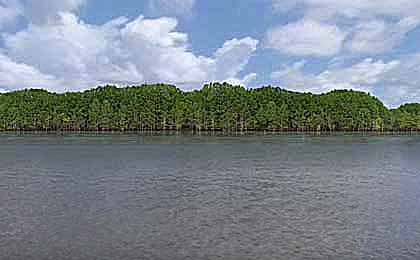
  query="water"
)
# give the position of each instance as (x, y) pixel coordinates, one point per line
(174, 197)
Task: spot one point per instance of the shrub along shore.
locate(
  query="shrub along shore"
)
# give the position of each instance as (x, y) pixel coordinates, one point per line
(216, 107)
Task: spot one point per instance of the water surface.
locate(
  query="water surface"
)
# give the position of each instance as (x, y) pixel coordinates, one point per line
(185, 197)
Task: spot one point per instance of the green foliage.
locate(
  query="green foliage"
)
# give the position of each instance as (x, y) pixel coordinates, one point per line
(406, 117)
(216, 106)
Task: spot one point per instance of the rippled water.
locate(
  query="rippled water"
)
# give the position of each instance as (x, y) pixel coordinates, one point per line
(174, 197)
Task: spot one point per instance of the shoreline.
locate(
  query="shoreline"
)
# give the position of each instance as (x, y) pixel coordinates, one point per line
(213, 133)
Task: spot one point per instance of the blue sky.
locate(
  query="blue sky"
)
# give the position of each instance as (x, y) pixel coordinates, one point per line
(301, 45)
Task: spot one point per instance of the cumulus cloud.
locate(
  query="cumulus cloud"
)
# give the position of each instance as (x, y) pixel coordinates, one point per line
(361, 76)
(16, 75)
(122, 51)
(372, 27)
(9, 11)
(38, 12)
(306, 37)
(171, 7)
(394, 82)
(367, 28)
(234, 56)
(378, 36)
(319, 9)
(44, 11)
(242, 81)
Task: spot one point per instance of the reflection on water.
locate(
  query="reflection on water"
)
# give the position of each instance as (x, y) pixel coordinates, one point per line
(178, 197)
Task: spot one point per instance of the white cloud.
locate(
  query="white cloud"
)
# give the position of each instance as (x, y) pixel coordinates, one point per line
(362, 76)
(171, 7)
(395, 82)
(9, 11)
(374, 26)
(306, 37)
(37, 12)
(352, 8)
(16, 75)
(401, 84)
(234, 56)
(159, 32)
(75, 50)
(80, 55)
(371, 28)
(242, 81)
(44, 11)
(378, 36)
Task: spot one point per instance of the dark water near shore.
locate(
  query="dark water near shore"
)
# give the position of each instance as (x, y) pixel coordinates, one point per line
(175, 197)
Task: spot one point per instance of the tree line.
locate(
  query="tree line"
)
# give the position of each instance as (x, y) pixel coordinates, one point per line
(216, 107)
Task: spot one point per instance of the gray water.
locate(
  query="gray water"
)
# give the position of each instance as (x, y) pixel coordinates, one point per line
(183, 197)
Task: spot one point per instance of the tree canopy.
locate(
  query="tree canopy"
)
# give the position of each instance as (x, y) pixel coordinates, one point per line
(217, 107)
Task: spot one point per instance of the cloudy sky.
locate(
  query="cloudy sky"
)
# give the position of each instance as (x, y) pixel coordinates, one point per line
(302, 45)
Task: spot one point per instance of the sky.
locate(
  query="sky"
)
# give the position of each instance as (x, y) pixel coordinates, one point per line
(301, 45)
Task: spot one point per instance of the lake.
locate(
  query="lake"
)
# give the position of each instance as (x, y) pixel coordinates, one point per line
(210, 197)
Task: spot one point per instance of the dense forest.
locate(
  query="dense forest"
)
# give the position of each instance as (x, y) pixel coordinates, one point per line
(216, 107)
